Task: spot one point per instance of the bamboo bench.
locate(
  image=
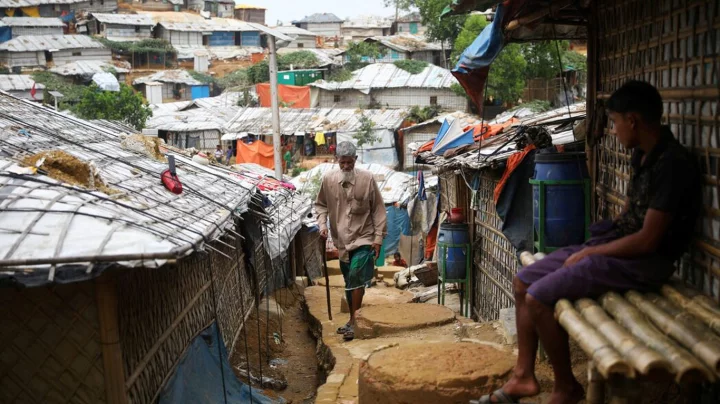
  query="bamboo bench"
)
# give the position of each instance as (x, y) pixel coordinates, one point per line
(670, 336)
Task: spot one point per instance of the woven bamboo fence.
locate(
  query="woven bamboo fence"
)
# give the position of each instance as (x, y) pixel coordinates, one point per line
(495, 261)
(674, 45)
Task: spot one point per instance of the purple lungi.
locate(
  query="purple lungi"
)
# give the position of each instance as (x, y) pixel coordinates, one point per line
(594, 275)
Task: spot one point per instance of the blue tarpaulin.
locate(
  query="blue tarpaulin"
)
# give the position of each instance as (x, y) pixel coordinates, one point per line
(474, 63)
(222, 38)
(250, 38)
(398, 223)
(5, 34)
(202, 91)
(198, 378)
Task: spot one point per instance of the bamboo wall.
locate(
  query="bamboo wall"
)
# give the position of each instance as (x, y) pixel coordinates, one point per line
(50, 351)
(674, 45)
(495, 260)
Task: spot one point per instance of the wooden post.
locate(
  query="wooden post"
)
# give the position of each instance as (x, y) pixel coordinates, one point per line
(107, 305)
(596, 385)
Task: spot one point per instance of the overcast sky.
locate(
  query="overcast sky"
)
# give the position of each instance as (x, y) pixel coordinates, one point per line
(288, 10)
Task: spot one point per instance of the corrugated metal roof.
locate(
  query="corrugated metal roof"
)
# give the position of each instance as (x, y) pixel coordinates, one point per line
(368, 21)
(325, 57)
(18, 82)
(33, 3)
(32, 22)
(89, 68)
(387, 75)
(217, 52)
(191, 120)
(320, 18)
(195, 23)
(125, 19)
(170, 76)
(34, 43)
(259, 120)
(406, 43)
(294, 31)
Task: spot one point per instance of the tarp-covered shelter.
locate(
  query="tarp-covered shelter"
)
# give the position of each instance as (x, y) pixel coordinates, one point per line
(20, 26)
(21, 86)
(177, 85)
(39, 50)
(107, 277)
(121, 27)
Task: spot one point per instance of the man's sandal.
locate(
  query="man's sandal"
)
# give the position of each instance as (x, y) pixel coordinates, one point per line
(349, 335)
(500, 395)
(343, 329)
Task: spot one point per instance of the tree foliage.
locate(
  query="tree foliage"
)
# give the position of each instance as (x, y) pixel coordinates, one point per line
(143, 46)
(441, 30)
(421, 114)
(71, 92)
(342, 74)
(366, 135)
(125, 105)
(473, 26)
(411, 66)
(361, 53)
(260, 72)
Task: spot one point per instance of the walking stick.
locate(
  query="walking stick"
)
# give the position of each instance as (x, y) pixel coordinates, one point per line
(323, 246)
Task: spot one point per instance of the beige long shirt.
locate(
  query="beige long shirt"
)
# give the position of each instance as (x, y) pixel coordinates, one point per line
(357, 212)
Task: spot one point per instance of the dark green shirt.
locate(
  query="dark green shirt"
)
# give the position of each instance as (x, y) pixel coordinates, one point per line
(669, 181)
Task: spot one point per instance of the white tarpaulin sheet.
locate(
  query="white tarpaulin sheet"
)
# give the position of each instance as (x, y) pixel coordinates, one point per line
(381, 152)
(106, 81)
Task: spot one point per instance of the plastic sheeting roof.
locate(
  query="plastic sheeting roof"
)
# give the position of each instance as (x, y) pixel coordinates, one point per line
(195, 23)
(32, 22)
(294, 31)
(406, 43)
(325, 57)
(35, 43)
(387, 75)
(259, 120)
(46, 222)
(18, 82)
(89, 68)
(170, 76)
(320, 18)
(190, 121)
(106, 81)
(142, 20)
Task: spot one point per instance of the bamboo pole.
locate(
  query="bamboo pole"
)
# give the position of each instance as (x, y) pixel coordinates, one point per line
(687, 368)
(109, 333)
(698, 298)
(596, 385)
(643, 359)
(700, 311)
(709, 351)
(608, 361)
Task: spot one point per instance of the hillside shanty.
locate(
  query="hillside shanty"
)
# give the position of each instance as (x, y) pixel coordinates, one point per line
(407, 46)
(21, 86)
(250, 13)
(301, 38)
(327, 25)
(365, 26)
(121, 27)
(410, 23)
(191, 127)
(82, 71)
(176, 85)
(138, 283)
(388, 86)
(33, 26)
(56, 8)
(216, 8)
(42, 50)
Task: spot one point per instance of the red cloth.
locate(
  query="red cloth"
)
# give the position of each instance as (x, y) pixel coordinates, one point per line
(512, 163)
(400, 263)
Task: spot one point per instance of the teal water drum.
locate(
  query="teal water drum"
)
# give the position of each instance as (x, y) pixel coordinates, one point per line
(560, 200)
(453, 237)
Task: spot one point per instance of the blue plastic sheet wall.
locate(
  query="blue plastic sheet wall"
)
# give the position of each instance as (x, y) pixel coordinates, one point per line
(398, 223)
(250, 39)
(199, 378)
(199, 92)
(222, 39)
(5, 34)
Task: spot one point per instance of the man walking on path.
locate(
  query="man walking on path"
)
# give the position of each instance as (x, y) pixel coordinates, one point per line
(635, 251)
(358, 224)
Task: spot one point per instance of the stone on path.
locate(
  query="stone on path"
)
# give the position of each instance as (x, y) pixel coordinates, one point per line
(377, 296)
(509, 326)
(373, 321)
(430, 373)
(334, 267)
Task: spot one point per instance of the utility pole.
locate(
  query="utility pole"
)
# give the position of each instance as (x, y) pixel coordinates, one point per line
(275, 105)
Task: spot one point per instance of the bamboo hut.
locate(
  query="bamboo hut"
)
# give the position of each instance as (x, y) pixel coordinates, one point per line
(107, 276)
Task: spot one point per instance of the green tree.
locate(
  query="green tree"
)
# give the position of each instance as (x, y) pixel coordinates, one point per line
(473, 26)
(125, 105)
(361, 53)
(399, 5)
(441, 30)
(365, 134)
(506, 80)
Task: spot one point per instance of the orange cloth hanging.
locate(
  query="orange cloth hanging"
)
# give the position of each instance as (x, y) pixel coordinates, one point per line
(259, 153)
(512, 163)
(292, 96)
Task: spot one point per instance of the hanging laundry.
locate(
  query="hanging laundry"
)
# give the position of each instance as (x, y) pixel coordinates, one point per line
(320, 138)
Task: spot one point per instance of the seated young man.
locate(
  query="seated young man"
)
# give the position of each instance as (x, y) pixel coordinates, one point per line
(635, 251)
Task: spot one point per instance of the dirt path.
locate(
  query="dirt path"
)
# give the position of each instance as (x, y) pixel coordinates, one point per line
(292, 350)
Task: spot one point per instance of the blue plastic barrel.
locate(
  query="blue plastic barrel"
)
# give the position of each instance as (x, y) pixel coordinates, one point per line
(564, 204)
(456, 258)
